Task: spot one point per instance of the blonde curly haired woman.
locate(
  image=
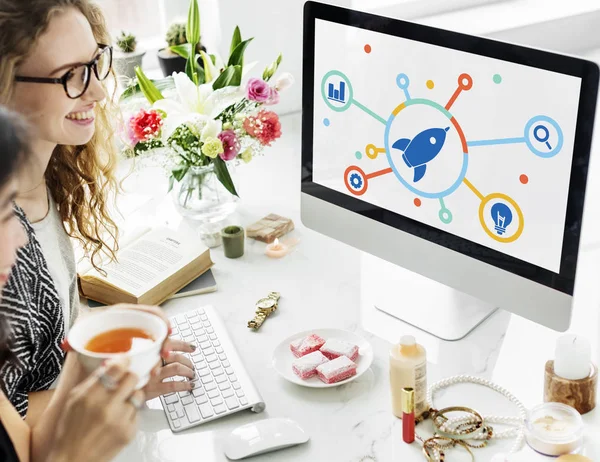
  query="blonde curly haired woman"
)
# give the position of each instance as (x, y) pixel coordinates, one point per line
(55, 63)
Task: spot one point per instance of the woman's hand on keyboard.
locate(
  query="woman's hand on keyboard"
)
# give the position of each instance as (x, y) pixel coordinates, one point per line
(174, 364)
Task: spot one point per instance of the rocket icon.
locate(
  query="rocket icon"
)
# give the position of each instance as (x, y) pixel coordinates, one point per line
(421, 149)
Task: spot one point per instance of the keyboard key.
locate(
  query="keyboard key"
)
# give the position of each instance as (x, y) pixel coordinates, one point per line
(207, 379)
(203, 338)
(219, 349)
(240, 393)
(171, 399)
(185, 332)
(236, 386)
(197, 353)
(170, 407)
(189, 338)
(176, 424)
(199, 392)
(200, 311)
(198, 329)
(204, 317)
(190, 314)
(218, 372)
(222, 357)
(192, 412)
(213, 394)
(220, 409)
(198, 360)
(179, 410)
(226, 363)
(221, 379)
(211, 358)
(206, 324)
(244, 401)
(232, 403)
(187, 400)
(224, 386)
(173, 415)
(213, 336)
(214, 365)
(203, 372)
(180, 319)
(208, 351)
(216, 343)
(210, 330)
(205, 345)
(229, 370)
(201, 365)
(206, 410)
(228, 393)
(210, 386)
(232, 378)
(202, 399)
(216, 401)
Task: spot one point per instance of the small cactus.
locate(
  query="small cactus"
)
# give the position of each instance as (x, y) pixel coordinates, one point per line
(176, 36)
(126, 42)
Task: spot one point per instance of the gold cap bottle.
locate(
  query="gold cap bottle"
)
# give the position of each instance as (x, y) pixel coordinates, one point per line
(408, 400)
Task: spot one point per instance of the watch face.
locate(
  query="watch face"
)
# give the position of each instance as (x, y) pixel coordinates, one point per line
(266, 303)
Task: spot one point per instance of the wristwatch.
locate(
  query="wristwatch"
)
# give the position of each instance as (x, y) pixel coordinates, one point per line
(264, 307)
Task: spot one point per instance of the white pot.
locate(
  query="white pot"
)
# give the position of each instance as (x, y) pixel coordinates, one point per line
(125, 63)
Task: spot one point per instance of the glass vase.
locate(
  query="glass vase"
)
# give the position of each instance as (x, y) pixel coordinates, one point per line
(201, 196)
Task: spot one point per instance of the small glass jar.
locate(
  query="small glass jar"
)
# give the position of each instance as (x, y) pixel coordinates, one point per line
(554, 429)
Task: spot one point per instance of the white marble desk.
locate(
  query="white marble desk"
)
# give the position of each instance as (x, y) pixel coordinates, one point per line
(320, 286)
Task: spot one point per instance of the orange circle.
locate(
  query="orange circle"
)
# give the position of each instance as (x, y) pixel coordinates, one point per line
(430, 84)
(524, 179)
(417, 202)
(367, 48)
(465, 81)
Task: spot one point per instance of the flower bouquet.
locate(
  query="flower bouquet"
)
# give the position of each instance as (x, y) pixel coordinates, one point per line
(214, 118)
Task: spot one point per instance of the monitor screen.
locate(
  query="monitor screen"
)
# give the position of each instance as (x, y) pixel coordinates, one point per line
(443, 137)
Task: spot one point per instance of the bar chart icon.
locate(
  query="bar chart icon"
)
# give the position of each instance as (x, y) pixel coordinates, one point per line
(337, 94)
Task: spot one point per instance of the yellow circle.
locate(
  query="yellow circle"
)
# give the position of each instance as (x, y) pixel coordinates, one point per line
(372, 151)
(430, 84)
(504, 240)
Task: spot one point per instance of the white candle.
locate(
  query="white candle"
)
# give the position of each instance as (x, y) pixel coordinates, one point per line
(573, 357)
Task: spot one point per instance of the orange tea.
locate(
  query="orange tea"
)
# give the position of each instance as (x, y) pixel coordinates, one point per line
(119, 341)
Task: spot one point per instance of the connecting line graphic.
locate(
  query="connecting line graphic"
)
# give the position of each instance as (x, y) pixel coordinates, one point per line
(465, 82)
(473, 189)
(368, 111)
(496, 141)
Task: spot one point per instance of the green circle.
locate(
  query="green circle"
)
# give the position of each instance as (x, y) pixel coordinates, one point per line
(497, 78)
(358, 155)
(348, 103)
(445, 216)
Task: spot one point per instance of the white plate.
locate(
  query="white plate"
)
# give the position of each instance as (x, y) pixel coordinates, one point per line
(283, 356)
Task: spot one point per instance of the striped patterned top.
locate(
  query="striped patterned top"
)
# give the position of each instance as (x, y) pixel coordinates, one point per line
(32, 308)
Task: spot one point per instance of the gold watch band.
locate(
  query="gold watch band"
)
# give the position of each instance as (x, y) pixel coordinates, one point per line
(261, 314)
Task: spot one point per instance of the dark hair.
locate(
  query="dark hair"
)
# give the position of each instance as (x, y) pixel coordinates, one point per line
(13, 149)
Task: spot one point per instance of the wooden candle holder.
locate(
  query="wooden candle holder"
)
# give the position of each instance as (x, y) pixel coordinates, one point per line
(579, 394)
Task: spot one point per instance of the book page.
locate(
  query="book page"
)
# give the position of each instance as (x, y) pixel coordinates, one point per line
(151, 259)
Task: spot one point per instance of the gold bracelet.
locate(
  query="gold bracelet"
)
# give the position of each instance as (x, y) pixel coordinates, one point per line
(477, 427)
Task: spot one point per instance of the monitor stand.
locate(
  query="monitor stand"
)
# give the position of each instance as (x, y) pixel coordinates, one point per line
(421, 302)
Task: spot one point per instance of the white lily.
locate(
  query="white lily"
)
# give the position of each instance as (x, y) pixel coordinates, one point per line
(212, 71)
(195, 103)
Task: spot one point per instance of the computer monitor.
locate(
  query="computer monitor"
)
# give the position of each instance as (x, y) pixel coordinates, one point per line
(458, 158)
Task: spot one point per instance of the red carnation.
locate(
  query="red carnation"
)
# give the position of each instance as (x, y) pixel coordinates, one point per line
(144, 125)
(265, 126)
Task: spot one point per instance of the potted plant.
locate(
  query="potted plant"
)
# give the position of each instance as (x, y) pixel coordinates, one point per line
(173, 57)
(126, 58)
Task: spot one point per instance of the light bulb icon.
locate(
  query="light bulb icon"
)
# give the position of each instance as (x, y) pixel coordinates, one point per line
(502, 217)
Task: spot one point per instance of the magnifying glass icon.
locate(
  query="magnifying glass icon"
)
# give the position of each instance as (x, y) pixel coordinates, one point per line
(544, 137)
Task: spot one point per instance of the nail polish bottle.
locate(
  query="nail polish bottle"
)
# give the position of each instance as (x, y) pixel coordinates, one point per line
(408, 415)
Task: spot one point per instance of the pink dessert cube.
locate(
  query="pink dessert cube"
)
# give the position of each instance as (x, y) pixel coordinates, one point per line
(306, 367)
(306, 345)
(334, 348)
(336, 370)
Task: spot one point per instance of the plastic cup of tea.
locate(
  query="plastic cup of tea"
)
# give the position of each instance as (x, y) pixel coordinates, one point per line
(141, 360)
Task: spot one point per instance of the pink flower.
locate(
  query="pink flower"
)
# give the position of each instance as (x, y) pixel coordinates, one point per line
(144, 125)
(265, 127)
(231, 145)
(273, 98)
(258, 90)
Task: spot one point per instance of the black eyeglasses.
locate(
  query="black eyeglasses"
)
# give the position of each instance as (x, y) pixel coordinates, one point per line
(77, 79)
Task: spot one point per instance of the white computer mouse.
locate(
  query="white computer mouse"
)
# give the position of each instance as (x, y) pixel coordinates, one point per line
(263, 436)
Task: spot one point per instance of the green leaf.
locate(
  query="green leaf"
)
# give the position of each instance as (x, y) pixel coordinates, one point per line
(162, 84)
(171, 183)
(192, 30)
(181, 50)
(223, 175)
(237, 55)
(150, 91)
(225, 78)
(235, 40)
(190, 70)
(206, 60)
(236, 80)
(180, 172)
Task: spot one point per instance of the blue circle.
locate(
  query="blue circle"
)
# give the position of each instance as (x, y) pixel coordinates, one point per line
(445, 216)
(326, 122)
(402, 81)
(388, 152)
(532, 148)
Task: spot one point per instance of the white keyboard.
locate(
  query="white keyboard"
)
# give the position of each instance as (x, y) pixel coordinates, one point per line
(222, 385)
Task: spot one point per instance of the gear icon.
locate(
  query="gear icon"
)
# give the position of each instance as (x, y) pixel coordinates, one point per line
(356, 181)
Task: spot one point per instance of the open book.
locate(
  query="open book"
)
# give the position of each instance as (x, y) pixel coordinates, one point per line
(150, 268)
